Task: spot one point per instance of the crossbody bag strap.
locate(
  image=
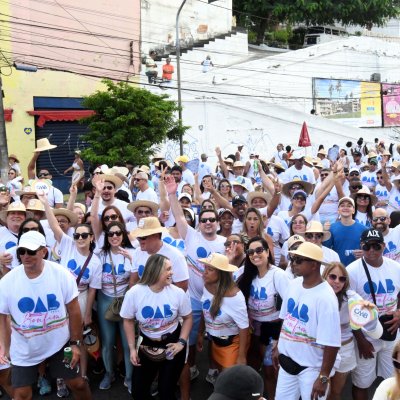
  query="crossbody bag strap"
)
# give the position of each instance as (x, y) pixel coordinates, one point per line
(371, 288)
(88, 258)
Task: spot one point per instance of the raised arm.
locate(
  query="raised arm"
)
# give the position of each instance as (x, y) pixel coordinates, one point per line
(164, 202)
(32, 165)
(221, 201)
(73, 191)
(98, 183)
(197, 192)
(276, 198)
(266, 181)
(222, 164)
(53, 223)
(385, 176)
(181, 224)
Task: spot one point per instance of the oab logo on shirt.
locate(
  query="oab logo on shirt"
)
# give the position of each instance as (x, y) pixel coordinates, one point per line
(300, 313)
(207, 306)
(258, 295)
(150, 312)
(381, 288)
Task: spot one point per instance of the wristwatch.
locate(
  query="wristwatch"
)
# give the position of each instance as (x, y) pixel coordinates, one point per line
(75, 343)
(324, 379)
(182, 341)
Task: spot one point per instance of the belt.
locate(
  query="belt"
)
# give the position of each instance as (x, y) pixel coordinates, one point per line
(347, 341)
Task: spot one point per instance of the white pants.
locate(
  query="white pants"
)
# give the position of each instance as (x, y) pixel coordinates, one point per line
(291, 387)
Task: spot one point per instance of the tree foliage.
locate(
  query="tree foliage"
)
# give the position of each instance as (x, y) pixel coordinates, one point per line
(315, 12)
(128, 124)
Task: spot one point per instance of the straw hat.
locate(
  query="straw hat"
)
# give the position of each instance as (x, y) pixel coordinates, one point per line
(238, 164)
(278, 165)
(218, 261)
(43, 145)
(228, 160)
(148, 226)
(395, 164)
(13, 156)
(157, 163)
(307, 186)
(144, 168)
(35, 205)
(25, 190)
(157, 156)
(309, 250)
(113, 179)
(117, 170)
(316, 227)
(15, 206)
(365, 191)
(308, 160)
(239, 181)
(295, 239)
(372, 154)
(81, 206)
(71, 216)
(322, 151)
(258, 195)
(143, 203)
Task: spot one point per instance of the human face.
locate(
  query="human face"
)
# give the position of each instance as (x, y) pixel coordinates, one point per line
(11, 174)
(355, 186)
(142, 212)
(314, 237)
(372, 167)
(44, 174)
(177, 176)
(226, 221)
(252, 222)
(32, 262)
(30, 226)
(336, 279)
(299, 225)
(345, 209)
(139, 181)
(82, 243)
(208, 228)
(234, 240)
(210, 275)
(187, 189)
(362, 200)
(258, 202)
(63, 222)
(238, 171)
(299, 163)
(258, 259)
(115, 240)
(15, 219)
(207, 181)
(108, 191)
(165, 278)
(323, 175)
(207, 206)
(110, 216)
(294, 187)
(240, 208)
(150, 243)
(380, 220)
(184, 202)
(372, 252)
(225, 188)
(298, 200)
(300, 265)
(78, 211)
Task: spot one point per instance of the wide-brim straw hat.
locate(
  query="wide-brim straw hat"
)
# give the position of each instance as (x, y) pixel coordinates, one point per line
(322, 151)
(365, 191)
(113, 179)
(309, 250)
(307, 186)
(35, 205)
(258, 195)
(143, 203)
(157, 163)
(372, 154)
(278, 165)
(219, 261)
(43, 145)
(316, 227)
(15, 206)
(25, 190)
(71, 216)
(157, 156)
(239, 181)
(13, 156)
(237, 164)
(148, 226)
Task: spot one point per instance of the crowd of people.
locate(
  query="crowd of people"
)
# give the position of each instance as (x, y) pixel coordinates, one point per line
(271, 262)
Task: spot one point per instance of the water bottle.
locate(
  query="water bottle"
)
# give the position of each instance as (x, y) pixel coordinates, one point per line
(169, 354)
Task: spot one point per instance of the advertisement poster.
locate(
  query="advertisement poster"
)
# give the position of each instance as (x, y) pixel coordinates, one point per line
(353, 103)
(391, 104)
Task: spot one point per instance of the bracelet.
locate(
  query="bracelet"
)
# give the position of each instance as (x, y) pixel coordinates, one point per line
(182, 341)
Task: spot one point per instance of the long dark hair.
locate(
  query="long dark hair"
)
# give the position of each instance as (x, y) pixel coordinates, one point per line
(369, 208)
(21, 228)
(125, 239)
(117, 211)
(250, 270)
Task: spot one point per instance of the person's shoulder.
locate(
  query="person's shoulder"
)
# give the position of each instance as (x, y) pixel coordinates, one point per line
(170, 251)
(355, 265)
(392, 264)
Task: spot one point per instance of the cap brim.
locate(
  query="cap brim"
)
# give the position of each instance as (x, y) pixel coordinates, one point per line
(230, 267)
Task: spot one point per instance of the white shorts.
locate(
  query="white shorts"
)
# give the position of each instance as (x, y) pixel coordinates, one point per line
(347, 358)
(367, 370)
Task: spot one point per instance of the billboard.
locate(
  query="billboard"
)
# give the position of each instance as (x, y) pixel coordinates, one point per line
(353, 103)
(391, 104)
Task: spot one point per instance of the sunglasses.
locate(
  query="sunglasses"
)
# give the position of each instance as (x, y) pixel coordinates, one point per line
(22, 251)
(83, 235)
(115, 233)
(24, 230)
(314, 235)
(145, 212)
(205, 220)
(354, 173)
(139, 179)
(324, 175)
(356, 187)
(296, 187)
(301, 198)
(229, 242)
(376, 219)
(225, 186)
(298, 260)
(43, 174)
(108, 187)
(257, 250)
(363, 197)
(396, 363)
(334, 277)
(375, 246)
(113, 217)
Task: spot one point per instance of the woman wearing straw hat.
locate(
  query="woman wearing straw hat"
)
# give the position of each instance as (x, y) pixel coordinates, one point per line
(224, 313)
(158, 306)
(261, 283)
(364, 201)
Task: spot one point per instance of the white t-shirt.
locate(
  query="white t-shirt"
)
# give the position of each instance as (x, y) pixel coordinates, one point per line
(329, 207)
(310, 322)
(237, 226)
(330, 255)
(382, 194)
(177, 243)
(362, 218)
(121, 205)
(306, 212)
(231, 316)
(157, 313)
(394, 200)
(39, 319)
(149, 194)
(204, 169)
(179, 266)
(55, 196)
(279, 232)
(261, 302)
(392, 244)
(74, 261)
(198, 247)
(122, 270)
(187, 176)
(385, 281)
(305, 174)
(369, 179)
(7, 239)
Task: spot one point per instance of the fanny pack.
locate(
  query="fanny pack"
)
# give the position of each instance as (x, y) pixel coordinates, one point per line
(222, 341)
(290, 366)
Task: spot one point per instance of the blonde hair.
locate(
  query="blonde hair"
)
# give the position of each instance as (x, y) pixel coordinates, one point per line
(342, 294)
(394, 393)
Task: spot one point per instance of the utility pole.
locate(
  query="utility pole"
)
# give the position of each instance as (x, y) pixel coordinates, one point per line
(3, 140)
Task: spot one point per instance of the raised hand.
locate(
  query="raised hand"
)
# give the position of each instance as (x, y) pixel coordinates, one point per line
(170, 185)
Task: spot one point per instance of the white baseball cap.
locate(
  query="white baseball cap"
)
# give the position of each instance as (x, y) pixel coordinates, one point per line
(32, 240)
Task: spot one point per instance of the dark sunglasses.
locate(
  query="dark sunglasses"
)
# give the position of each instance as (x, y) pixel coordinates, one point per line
(334, 277)
(375, 246)
(297, 259)
(43, 174)
(145, 212)
(301, 198)
(115, 233)
(354, 173)
(363, 196)
(376, 219)
(139, 179)
(24, 230)
(396, 363)
(323, 175)
(22, 251)
(258, 250)
(108, 187)
(113, 217)
(296, 187)
(204, 220)
(83, 235)
(314, 235)
(358, 187)
(229, 242)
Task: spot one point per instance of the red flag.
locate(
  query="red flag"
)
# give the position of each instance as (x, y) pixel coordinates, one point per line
(304, 140)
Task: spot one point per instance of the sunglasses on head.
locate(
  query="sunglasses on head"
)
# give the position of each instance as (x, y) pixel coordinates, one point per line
(298, 260)
(375, 246)
(229, 242)
(358, 187)
(257, 250)
(205, 220)
(314, 235)
(113, 217)
(22, 251)
(24, 230)
(108, 187)
(376, 219)
(334, 277)
(83, 235)
(115, 233)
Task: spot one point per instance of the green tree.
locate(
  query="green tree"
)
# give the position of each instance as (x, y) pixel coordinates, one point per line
(269, 13)
(128, 123)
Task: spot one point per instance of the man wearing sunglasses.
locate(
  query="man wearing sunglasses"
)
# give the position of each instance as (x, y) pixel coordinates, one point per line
(145, 191)
(310, 334)
(375, 354)
(42, 300)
